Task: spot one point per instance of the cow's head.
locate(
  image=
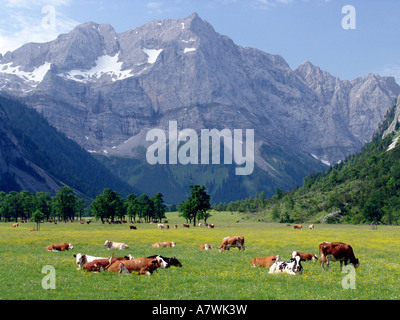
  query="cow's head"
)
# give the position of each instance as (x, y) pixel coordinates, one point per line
(297, 266)
(172, 244)
(355, 263)
(174, 262)
(106, 243)
(70, 246)
(162, 263)
(79, 258)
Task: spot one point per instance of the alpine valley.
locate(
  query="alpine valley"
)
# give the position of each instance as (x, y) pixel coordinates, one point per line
(105, 90)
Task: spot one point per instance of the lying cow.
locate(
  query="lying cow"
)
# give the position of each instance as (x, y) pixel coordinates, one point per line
(337, 251)
(60, 247)
(170, 261)
(235, 241)
(101, 264)
(165, 244)
(141, 265)
(294, 267)
(115, 245)
(15, 225)
(81, 259)
(304, 256)
(206, 246)
(265, 262)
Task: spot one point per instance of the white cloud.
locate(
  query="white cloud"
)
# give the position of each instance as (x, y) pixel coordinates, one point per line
(32, 21)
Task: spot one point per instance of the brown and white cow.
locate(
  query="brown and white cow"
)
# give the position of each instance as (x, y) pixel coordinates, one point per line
(142, 265)
(206, 246)
(165, 244)
(337, 251)
(304, 256)
(101, 264)
(235, 241)
(82, 259)
(263, 261)
(15, 225)
(60, 247)
(185, 225)
(115, 245)
(298, 226)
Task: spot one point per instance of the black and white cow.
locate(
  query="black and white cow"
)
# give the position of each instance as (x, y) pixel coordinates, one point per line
(173, 261)
(294, 267)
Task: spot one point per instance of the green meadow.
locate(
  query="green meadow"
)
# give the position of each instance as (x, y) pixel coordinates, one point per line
(205, 275)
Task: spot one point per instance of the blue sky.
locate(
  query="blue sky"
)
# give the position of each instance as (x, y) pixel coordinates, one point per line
(298, 30)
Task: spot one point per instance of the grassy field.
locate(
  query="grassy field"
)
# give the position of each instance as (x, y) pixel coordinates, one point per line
(206, 275)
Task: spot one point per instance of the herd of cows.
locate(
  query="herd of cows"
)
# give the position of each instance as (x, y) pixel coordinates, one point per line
(329, 251)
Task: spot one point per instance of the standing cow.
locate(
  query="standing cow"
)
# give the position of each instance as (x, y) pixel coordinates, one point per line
(236, 241)
(337, 251)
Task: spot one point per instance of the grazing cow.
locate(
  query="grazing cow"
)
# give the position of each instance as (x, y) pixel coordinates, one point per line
(304, 256)
(131, 227)
(101, 264)
(311, 226)
(206, 246)
(263, 261)
(160, 226)
(141, 265)
(228, 242)
(337, 251)
(173, 261)
(185, 225)
(165, 244)
(15, 225)
(115, 245)
(294, 267)
(298, 226)
(60, 247)
(176, 226)
(211, 226)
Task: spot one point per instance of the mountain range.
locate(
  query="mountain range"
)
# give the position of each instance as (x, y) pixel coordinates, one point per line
(105, 90)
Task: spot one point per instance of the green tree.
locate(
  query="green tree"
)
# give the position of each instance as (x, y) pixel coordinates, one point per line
(159, 206)
(132, 206)
(197, 205)
(38, 216)
(44, 204)
(65, 203)
(108, 205)
(146, 207)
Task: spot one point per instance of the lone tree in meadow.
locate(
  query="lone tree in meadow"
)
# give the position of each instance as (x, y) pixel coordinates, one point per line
(197, 205)
(38, 216)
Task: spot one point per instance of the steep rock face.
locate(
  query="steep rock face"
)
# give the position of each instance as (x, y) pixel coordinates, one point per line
(105, 90)
(16, 172)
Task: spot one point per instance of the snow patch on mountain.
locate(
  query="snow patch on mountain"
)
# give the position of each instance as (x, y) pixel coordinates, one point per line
(189, 50)
(105, 65)
(152, 54)
(34, 77)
